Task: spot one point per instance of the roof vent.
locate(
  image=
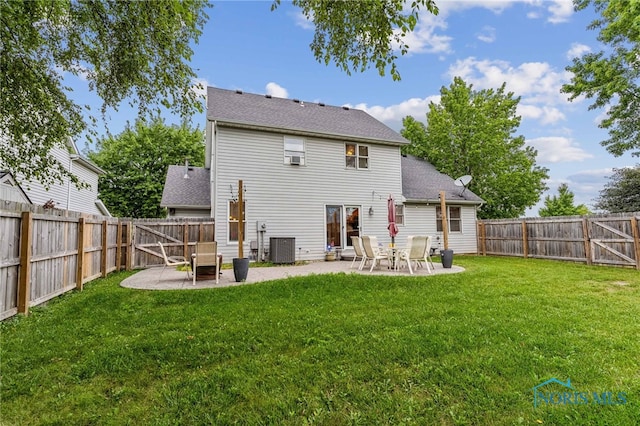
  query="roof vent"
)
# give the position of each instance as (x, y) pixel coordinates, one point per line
(239, 92)
(321, 104)
(267, 96)
(296, 101)
(346, 108)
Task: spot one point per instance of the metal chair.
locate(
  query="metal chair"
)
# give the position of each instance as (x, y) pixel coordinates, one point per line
(172, 260)
(206, 254)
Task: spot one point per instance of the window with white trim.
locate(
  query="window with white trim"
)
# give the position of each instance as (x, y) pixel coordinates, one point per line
(294, 151)
(399, 214)
(356, 156)
(454, 219)
(234, 219)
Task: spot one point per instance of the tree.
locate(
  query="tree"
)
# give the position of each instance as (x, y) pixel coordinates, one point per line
(562, 204)
(622, 192)
(612, 77)
(472, 133)
(136, 163)
(140, 51)
(355, 34)
(125, 49)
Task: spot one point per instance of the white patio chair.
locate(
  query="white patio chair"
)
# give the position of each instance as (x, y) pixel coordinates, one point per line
(373, 252)
(359, 253)
(206, 255)
(172, 260)
(417, 251)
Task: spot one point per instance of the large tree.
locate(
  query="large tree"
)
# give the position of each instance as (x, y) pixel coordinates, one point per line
(562, 204)
(139, 51)
(622, 192)
(473, 133)
(136, 163)
(611, 77)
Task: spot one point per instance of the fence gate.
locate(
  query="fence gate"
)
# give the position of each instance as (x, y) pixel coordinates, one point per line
(178, 237)
(613, 242)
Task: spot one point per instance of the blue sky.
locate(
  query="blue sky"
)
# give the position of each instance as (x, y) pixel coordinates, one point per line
(526, 44)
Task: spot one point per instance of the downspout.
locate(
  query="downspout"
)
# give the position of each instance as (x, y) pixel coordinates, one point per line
(72, 157)
(214, 175)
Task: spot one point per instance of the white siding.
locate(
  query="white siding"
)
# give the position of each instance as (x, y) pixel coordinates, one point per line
(420, 219)
(66, 196)
(292, 199)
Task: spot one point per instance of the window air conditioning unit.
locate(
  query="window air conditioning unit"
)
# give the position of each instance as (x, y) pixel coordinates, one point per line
(295, 160)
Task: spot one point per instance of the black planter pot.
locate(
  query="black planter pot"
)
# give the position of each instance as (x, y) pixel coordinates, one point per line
(447, 258)
(240, 268)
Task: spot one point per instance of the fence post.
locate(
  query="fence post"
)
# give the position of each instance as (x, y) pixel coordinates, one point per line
(24, 285)
(105, 247)
(636, 239)
(130, 250)
(80, 265)
(185, 240)
(119, 247)
(587, 240)
(525, 240)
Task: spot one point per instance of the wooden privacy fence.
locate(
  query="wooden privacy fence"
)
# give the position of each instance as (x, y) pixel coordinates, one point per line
(43, 255)
(612, 239)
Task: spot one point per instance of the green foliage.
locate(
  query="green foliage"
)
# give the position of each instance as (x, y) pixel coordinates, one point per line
(136, 163)
(131, 50)
(471, 133)
(622, 192)
(331, 349)
(611, 78)
(356, 34)
(562, 204)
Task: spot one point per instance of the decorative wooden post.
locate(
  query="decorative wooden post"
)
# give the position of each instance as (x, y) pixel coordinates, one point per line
(445, 228)
(240, 220)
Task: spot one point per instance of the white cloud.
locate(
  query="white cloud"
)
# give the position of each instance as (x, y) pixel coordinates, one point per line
(274, 89)
(199, 87)
(423, 39)
(302, 21)
(488, 34)
(577, 50)
(544, 114)
(392, 115)
(555, 149)
(560, 10)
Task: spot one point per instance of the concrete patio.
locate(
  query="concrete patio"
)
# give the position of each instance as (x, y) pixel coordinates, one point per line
(159, 278)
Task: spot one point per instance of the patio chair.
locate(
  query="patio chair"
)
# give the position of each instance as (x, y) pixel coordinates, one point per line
(372, 251)
(359, 252)
(172, 260)
(417, 251)
(206, 254)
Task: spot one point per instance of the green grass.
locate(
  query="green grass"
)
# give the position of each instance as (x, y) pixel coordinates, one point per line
(332, 349)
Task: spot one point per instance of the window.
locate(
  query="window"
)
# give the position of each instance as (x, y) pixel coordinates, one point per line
(357, 156)
(293, 150)
(233, 220)
(454, 219)
(399, 214)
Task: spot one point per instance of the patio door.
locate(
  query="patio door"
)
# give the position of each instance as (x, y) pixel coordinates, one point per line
(342, 222)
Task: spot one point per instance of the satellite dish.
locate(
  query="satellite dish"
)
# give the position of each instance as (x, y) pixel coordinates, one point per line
(463, 181)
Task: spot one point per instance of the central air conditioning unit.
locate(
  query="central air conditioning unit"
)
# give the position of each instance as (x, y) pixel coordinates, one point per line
(295, 160)
(282, 250)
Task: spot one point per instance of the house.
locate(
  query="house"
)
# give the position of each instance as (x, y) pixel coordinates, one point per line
(313, 172)
(10, 190)
(65, 195)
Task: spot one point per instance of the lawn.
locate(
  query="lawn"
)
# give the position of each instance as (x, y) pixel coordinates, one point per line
(336, 349)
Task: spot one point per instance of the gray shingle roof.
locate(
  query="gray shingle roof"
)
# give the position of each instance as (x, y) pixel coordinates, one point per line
(235, 108)
(181, 192)
(422, 182)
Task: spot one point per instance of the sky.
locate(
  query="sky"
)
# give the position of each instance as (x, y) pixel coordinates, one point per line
(526, 44)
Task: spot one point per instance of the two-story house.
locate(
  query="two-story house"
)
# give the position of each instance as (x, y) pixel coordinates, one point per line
(313, 172)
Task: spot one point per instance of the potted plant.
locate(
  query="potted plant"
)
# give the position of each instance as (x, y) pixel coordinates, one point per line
(330, 253)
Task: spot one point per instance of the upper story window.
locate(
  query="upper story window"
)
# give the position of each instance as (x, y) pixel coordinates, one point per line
(357, 156)
(454, 219)
(294, 151)
(399, 214)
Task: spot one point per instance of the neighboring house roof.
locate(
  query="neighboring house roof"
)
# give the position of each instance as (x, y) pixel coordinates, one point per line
(192, 192)
(421, 182)
(246, 110)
